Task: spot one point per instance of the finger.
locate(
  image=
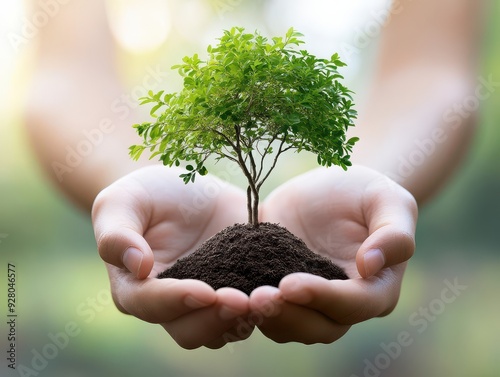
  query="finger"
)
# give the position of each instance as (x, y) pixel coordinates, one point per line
(387, 246)
(344, 301)
(237, 333)
(297, 323)
(283, 321)
(213, 325)
(266, 301)
(391, 215)
(160, 300)
(119, 223)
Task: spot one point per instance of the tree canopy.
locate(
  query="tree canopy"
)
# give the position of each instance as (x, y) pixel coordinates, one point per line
(252, 99)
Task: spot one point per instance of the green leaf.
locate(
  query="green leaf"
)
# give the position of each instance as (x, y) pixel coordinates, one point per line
(144, 100)
(294, 118)
(203, 171)
(157, 96)
(135, 151)
(154, 109)
(185, 177)
(352, 140)
(250, 97)
(188, 81)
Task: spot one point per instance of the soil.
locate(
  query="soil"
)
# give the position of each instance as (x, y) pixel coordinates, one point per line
(246, 257)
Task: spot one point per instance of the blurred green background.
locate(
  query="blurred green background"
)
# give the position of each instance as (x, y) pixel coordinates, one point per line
(61, 280)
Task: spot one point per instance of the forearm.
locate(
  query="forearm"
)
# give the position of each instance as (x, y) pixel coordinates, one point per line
(416, 137)
(79, 142)
(72, 119)
(419, 114)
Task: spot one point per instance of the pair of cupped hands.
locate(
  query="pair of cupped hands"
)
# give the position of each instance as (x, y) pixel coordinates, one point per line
(360, 219)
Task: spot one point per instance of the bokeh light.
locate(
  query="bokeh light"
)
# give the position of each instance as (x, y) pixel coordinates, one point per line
(139, 26)
(192, 18)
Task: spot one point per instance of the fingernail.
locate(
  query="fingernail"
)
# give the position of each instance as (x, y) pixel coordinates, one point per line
(374, 261)
(227, 313)
(132, 259)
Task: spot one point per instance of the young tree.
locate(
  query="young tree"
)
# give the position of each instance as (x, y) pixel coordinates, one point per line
(251, 101)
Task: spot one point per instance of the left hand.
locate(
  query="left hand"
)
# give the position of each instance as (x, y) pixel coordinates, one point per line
(363, 222)
(152, 211)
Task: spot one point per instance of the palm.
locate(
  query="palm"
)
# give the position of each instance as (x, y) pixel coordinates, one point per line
(325, 209)
(345, 216)
(172, 239)
(335, 237)
(182, 216)
(147, 220)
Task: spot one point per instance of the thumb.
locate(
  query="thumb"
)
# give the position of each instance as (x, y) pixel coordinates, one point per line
(119, 233)
(391, 215)
(386, 247)
(125, 248)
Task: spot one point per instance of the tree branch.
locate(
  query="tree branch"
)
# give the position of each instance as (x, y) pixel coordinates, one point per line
(253, 167)
(229, 157)
(224, 137)
(263, 155)
(280, 151)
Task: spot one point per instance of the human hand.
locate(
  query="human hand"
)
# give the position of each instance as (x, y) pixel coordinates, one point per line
(363, 222)
(147, 220)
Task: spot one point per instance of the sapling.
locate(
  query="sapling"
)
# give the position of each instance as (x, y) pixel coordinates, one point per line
(250, 101)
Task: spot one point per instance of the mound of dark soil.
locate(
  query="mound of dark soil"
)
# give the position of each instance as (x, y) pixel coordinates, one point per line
(246, 257)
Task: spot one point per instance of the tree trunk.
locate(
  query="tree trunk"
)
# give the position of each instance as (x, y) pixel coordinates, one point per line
(253, 206)
(249, 205)
(255, 216)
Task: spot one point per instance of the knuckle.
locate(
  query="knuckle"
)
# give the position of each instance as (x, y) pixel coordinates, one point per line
(105, 244)
(407, 245)
(411, 204)
(390, 304)
(118, 303)
(99, 201)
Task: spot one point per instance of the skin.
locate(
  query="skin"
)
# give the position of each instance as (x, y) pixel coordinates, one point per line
(153, 222)
(344, 215)
(427, 63)
(364, 211)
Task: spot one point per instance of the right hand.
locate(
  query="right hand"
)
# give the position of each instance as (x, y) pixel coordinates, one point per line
(147, 220)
